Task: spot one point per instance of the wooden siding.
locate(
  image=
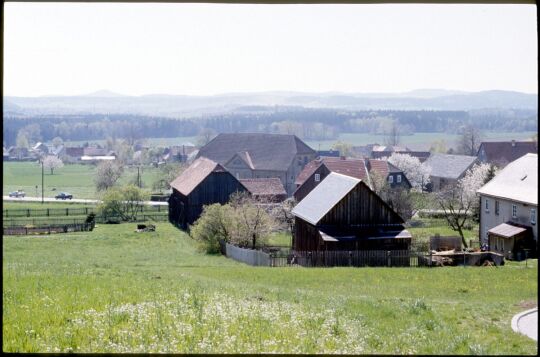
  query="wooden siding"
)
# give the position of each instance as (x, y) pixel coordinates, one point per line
(361, 213)
(215, 188)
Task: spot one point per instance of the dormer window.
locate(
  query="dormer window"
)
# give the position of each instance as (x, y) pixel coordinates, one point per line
(317, 177)
(390, 179)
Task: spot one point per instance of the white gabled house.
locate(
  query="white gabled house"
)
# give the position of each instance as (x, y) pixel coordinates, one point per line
(509, 209)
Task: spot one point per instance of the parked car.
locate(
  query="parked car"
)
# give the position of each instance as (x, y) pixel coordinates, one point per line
(18, 193)
(63, 196)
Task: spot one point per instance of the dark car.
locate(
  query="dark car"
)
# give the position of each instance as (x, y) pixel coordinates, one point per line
(63, 196)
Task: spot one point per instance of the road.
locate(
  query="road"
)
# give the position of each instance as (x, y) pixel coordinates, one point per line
(75, 200)
(527, 323)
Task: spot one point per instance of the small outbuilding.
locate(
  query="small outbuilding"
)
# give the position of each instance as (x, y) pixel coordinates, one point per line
(204, 182)
(343, 213)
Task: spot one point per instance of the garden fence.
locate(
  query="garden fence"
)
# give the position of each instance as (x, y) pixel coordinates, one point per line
(51, 212)
(48, 229)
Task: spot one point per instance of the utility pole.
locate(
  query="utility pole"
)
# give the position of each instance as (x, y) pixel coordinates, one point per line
(42, 181)
(138, 176)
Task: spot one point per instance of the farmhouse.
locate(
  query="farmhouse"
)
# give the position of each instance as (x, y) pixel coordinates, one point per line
(509, 208)
(448, 169)
(343, 213)
(362, 169)
(248, 155)
(204, 182)
(380, 152)
(503, 152)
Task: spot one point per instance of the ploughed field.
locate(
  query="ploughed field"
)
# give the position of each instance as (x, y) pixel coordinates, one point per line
(114, 290)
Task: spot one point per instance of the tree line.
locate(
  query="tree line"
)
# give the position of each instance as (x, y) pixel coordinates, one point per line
(309, 124)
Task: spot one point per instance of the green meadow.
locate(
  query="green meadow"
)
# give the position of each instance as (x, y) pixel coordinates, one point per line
(77, 179)
(114, 290)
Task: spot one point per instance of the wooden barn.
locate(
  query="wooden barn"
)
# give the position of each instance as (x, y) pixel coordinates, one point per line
(204, 182)
(343, 213)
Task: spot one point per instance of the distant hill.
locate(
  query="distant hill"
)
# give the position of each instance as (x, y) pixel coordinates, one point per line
(104, 101)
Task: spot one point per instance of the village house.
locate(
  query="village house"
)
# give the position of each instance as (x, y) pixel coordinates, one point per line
(447, 169)
(509, 209)
(206, 182)
(501, 153)
(362, 169)
(72, 154)
(343, 213)
(40, 149)
(255, 155)
(94, 154)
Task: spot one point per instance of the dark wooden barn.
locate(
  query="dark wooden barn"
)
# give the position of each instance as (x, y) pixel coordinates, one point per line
(204, 182)
(343, 213)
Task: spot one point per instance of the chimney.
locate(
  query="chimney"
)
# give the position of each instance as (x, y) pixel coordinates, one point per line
(513, 143)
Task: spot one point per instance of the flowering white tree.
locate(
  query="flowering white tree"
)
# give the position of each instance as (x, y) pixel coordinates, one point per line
(52, 162)
(459, 202)
(416, 173)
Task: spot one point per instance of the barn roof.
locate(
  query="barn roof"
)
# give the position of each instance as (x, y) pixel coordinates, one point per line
(449, 166)
(345, 166)
(503, 152)
(264, 186)
(324, 197)
(195, 174)
(518, 181)
(267, 151)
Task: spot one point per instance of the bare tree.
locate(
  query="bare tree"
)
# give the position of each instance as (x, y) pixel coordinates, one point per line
(345, 149)
(392, 134)
(459, 201)
(52, 162)
(469, 141)
(282, 214)
(205, 135)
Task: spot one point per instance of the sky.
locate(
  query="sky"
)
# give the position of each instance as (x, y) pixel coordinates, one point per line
(207, 49)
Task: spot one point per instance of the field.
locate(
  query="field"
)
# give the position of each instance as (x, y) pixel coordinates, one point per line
(113, 290)
(424, 139)
(77, 179)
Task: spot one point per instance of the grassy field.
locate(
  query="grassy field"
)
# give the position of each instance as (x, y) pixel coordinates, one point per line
(113, 290)
(77, 179)
(352, 138)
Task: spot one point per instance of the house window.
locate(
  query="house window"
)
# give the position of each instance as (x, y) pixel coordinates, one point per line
(317, 177)
(497, 208)
(533, 215)
(487, 205)
(514, 211)
(398, 178)
(390, 179)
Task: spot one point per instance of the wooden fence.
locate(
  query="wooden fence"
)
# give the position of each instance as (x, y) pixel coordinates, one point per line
(248, 256)
(51, 212)
(36, 221)
(48, 229)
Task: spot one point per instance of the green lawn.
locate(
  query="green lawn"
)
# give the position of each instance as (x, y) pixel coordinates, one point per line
(113, 290)
(77, 179)
(417, 138)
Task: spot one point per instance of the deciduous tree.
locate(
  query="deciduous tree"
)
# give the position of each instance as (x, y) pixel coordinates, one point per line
(52, 162)
(416, 173)
(107, 175)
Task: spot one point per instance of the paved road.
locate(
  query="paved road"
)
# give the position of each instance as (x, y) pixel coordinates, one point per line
(526, 323)
(77, 200)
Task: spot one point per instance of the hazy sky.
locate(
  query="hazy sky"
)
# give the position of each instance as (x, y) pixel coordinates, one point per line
(205, 49)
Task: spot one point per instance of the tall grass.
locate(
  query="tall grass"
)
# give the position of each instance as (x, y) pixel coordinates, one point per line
(114, 290)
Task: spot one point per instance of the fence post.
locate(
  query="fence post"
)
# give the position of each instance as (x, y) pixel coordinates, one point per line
(350, 258)
(388, 258)
(86, 210)
(28, 213)
(67, 211)
(47, 212)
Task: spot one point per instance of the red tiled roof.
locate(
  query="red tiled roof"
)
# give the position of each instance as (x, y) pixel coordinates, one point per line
(195, 174)
(308, 170)
(264, 186)
(350, 167)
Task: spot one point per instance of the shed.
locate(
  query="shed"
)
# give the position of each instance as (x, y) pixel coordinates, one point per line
(343, 213)
(510, 239)
(266, 189)
(204, 182)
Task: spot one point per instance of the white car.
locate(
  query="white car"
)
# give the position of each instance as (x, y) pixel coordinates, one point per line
(18, 193)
